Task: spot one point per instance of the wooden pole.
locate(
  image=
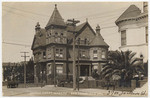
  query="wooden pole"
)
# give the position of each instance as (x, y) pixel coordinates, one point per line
(25, 56)
(54, 67)
(73, 23)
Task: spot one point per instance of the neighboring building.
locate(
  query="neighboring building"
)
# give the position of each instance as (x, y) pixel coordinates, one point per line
(52, 46)
(8, 70)
(15, 71)
(133, 29)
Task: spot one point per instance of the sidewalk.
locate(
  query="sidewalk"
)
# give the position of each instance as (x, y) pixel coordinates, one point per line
(50, 90)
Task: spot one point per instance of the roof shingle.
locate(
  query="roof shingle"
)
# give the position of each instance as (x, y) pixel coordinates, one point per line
(56, 19)
(39, 39)
(131, 12)
(98, 41)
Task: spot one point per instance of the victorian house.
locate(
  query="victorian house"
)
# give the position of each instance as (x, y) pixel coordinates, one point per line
(53, 49)
(133, 30)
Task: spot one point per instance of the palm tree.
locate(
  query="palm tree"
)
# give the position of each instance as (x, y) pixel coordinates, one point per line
(121, 66)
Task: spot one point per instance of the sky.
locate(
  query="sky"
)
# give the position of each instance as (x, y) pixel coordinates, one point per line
(19, 20)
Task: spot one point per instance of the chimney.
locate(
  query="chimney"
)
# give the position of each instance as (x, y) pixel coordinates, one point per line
(37, 27)
(145, 7)
(98, 30)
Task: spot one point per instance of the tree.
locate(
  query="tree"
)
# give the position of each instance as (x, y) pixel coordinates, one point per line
(30, 71)
(121, 66)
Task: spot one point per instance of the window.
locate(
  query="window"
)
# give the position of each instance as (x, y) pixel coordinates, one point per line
(95, 67)
(146, 31)
(83, 54)
(103, 54)
(95, 55)
(49, 53)
(44, 55)
(123, 38)
(59, 69)
(49, 70)
(59, 53)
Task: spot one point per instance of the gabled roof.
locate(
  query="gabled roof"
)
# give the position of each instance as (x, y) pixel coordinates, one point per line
(79, 29)
(131, 12)
(98, 41)
(56, 19)
(39, 39)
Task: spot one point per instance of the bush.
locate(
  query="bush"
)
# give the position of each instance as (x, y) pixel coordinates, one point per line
(95, 75)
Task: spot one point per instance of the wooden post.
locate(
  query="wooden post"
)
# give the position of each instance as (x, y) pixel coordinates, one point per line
(54, 67)
(73, 23)
(25, 56)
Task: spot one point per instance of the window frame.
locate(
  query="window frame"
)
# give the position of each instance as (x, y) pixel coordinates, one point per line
(95, 53)
(123, 38)
(146, 34)
(58, 70)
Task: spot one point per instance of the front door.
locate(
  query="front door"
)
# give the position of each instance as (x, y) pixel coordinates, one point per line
(84, 70)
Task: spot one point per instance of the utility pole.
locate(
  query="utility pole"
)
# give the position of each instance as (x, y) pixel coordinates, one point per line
(25, 56)
(73, 22)
(78, 63)
(54, 51)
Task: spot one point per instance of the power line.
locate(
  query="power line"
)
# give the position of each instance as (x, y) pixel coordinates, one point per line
(25, 56)
(19, 14)
(108, 27)
(17, 44)
(26, 11)
(103, 13)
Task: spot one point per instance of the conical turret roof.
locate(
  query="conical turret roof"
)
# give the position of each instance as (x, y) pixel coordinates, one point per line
(56, 19)
(131, 12)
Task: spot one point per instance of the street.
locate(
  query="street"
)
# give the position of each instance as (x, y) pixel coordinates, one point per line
(50, 90)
